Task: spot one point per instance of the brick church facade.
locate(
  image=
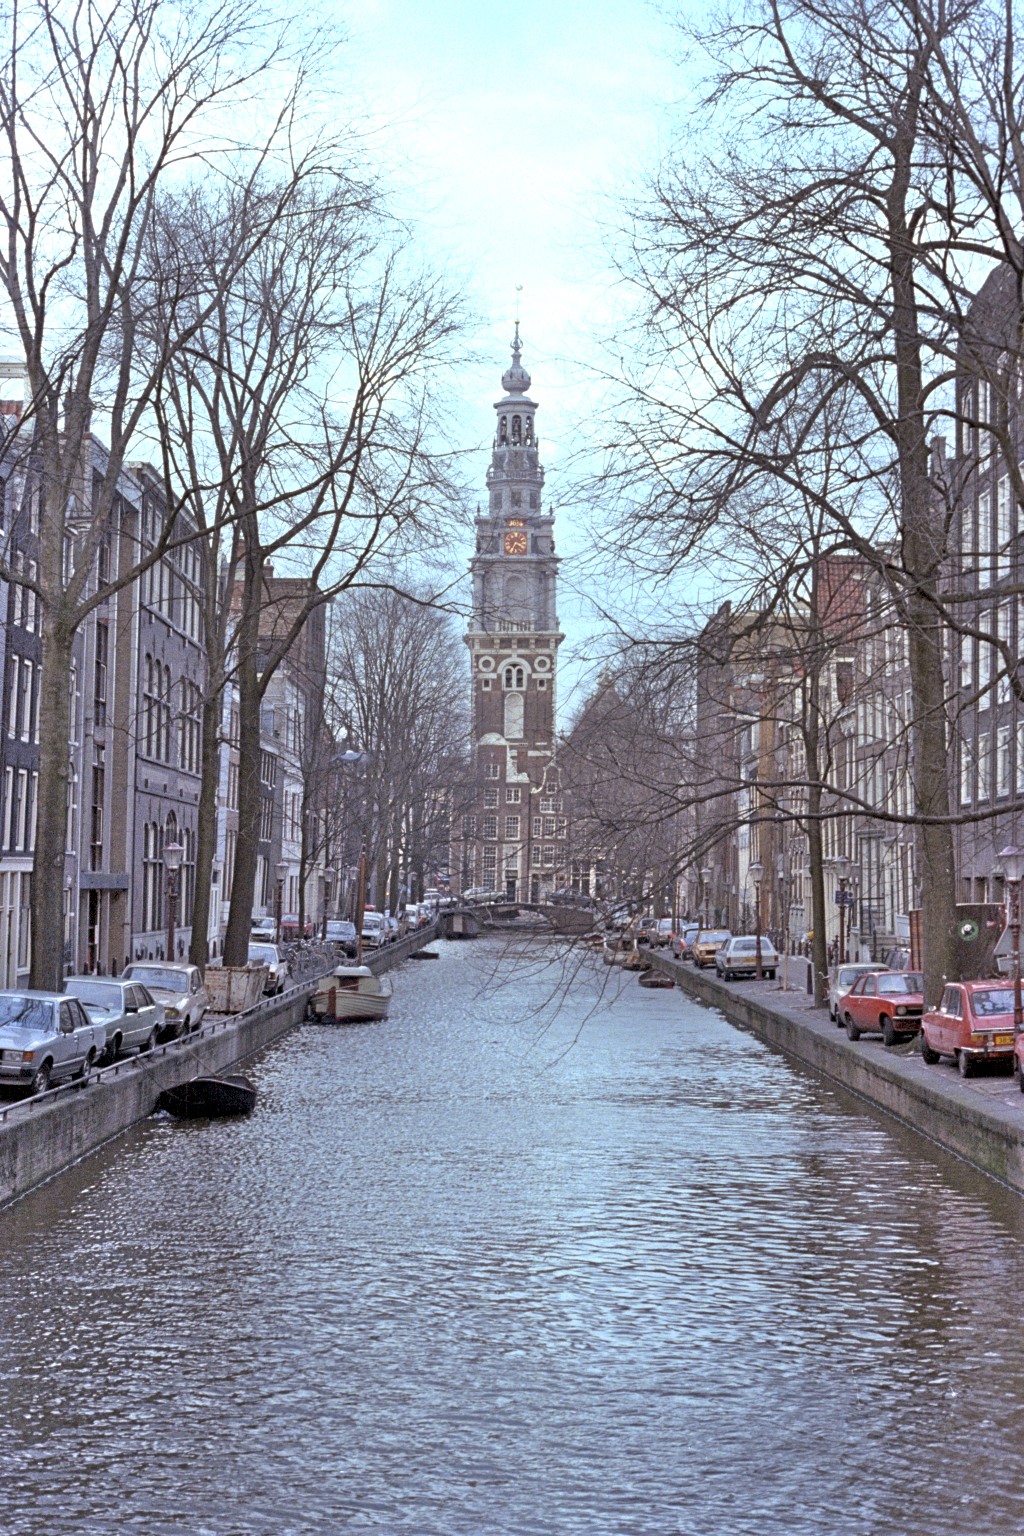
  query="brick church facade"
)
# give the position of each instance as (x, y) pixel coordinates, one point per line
(512, 836)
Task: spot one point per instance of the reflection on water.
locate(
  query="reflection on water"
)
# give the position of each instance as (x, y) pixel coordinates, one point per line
(493, 1267)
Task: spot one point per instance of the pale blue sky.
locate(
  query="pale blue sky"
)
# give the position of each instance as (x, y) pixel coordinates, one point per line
(514, 129)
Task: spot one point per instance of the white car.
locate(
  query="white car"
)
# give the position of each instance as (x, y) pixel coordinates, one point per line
(129, 1015)
(278, 969)
(375, 930)
(180, 989)
(738, 956)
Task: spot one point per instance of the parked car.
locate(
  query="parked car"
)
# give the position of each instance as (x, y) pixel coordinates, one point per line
(682, 942)
(178, 987)
(842, 979)
(738, 957)
(889, 1003)
(665, 932)
(130, 1015)
(644, 929)
(46, 1038)
(278, 969)
(973, 1023)
(292, 929)
(342, 933)
(375, 931)
(263, 930)
(706, 945)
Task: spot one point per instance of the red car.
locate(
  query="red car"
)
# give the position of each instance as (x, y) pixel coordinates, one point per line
(973, 1022)
(889, 1003)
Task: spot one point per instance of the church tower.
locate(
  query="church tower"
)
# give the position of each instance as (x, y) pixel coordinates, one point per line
(514, 837)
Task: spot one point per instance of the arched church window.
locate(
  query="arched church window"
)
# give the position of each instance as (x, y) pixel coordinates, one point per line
(517, 429)
(528, 433)
(515, 677)
(503, 433)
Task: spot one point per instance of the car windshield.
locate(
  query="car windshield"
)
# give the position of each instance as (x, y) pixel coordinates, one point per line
(102, 994)
(164, 980)
(25, 1013)
(993, 1000)
(848, 976)
(265, 952)
(902, 983)
(707, 937)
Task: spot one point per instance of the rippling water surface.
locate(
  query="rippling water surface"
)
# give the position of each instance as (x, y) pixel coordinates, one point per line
(497, 1266)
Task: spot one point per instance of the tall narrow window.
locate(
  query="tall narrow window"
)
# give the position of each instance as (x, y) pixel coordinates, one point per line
(99, 692)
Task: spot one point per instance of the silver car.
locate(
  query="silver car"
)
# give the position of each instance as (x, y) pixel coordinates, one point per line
(129, 1014)
(178, 987)
(46, 1038)
(842, 979)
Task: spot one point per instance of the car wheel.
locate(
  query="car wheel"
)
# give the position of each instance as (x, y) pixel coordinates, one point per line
(771, 975)
(927, 1054)
(965, 1064)
(851, 1028)
(149, 1044)
(40, 1079)
(1020, 1077)
(889, 1035)
(85, 1070)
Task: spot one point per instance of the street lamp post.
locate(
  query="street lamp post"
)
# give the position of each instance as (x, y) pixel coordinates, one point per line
(842, 864)
(328, 887)
(281, 874)
(1012, 860)
(172, 863)
(705, 876)
(755, 871)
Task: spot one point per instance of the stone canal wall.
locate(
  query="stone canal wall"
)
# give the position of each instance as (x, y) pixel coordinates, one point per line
(40, 1137)
(980, 1120)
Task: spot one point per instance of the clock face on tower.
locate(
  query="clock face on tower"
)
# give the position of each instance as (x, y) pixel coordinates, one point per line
(515, 541)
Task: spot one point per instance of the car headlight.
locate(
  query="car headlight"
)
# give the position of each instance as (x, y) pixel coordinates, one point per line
(901, 1009)
(171, 1013)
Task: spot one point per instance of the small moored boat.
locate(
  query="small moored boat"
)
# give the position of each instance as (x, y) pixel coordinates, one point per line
(351, 994)
(209, 1098)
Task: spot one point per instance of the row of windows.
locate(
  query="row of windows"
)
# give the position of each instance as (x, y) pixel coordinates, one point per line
(542, 856)
(23, 700)
(985, 764)
(543, 826)
(19, 831)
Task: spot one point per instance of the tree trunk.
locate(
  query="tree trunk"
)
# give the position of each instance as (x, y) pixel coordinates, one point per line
(47, 964)
(922, 554)
(250, 799)
(206, 829)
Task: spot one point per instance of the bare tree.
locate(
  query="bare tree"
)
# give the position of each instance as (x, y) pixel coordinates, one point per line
(817, 261)
(399, 675)
(298, 413)
(100, 107)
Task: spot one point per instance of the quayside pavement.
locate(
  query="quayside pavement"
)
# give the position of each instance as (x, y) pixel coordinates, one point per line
(41, 1136)
(980, 1119)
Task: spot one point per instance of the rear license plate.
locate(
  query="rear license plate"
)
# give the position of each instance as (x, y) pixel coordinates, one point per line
(1002, 1040)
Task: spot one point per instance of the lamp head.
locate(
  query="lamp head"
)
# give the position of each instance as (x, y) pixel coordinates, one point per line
(281, 870)
(1011, 858)
(172, 857)
(756, 870)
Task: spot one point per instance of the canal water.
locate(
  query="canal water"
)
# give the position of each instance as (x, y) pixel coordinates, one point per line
(545, 1253)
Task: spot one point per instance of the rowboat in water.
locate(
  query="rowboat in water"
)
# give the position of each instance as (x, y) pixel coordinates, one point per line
(203, 1098)
(351, 994)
